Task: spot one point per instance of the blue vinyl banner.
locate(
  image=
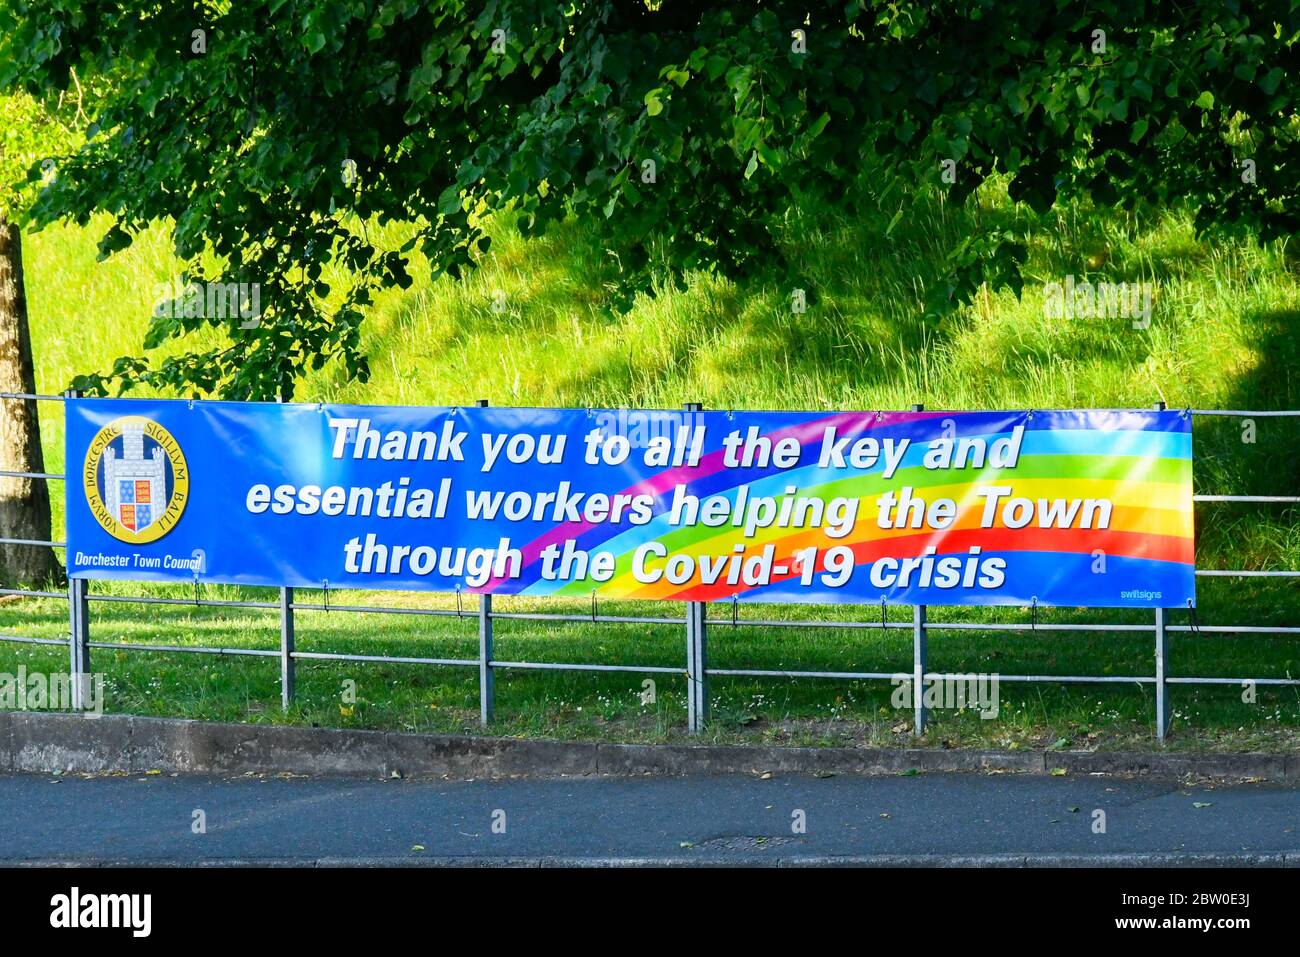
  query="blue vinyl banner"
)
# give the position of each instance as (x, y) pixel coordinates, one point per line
(1083, 508)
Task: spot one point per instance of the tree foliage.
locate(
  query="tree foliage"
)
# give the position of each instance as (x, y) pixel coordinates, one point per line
(271, 134)
(31, 133)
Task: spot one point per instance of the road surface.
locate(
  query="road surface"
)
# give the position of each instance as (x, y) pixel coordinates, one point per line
(966, 818)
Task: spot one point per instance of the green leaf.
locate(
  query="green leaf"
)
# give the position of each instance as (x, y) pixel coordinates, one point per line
(1270, 80)
(1206, 100)
(752, 165)
(677, 76)
(449, 202)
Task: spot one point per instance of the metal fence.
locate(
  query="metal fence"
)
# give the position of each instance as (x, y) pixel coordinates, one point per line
(696, 621)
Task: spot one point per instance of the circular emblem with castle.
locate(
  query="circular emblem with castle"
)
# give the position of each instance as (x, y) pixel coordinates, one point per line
(136, 479)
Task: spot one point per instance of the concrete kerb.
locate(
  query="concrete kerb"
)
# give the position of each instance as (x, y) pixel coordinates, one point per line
(47, 742)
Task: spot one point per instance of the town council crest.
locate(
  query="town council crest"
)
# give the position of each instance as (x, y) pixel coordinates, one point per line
(136, 479)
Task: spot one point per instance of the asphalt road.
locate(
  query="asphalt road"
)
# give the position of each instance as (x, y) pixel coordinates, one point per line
(972, 818)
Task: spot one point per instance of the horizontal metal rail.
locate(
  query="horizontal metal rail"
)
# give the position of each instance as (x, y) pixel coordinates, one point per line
(1032, 626)
(59, 476)
(1223, 573)
(199, 602)
(770, 673)
(929, 676)
(195, 649)
(1064, 679)
(804, 623)
(602, 619)
(388, 659)
(1232, 681)
(570, 666)
(1232, 413)
(386, 610)
(1290, 499)
(1238, 413)
(26, 640)
(28, 593)
(1237, 629)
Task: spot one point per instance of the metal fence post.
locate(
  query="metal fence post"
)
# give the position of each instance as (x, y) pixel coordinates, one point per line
(697, 684)
(486, 682)
(1162, 661)
(1162, 667)
(920, 654)
(920, 636)
(288, 678)
(78, 620)
(78, 641)
(288, 675)
(486, 677)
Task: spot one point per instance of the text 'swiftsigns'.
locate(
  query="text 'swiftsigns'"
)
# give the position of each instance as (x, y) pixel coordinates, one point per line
(1087, 508)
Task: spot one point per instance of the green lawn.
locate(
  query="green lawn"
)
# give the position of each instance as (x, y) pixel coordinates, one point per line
(611, 706)
(1222, 336)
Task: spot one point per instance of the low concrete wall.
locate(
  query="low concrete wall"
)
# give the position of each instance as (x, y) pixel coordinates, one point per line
(45, 742)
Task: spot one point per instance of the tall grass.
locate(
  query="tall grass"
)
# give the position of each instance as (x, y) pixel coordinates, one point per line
(1223, 334)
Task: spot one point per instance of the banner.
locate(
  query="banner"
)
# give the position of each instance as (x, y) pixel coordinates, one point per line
(1084, 508)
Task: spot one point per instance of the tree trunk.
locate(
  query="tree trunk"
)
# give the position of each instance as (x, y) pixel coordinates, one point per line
(24, 503)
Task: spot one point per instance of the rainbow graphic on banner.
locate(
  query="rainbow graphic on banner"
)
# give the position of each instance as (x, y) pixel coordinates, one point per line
(1138, 462)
